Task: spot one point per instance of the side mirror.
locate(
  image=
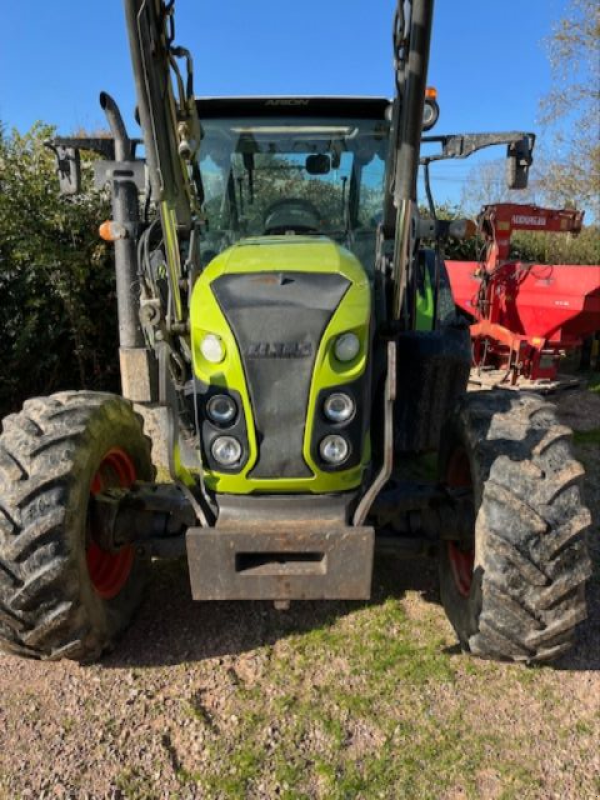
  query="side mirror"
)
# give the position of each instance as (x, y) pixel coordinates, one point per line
(68, 167)
(519, 159)
(318, 164)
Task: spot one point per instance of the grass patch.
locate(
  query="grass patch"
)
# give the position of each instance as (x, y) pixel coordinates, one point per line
(237, 774)
(378, 641)
(416, 767)
(134, 785)
(345, 708)
(583, 728)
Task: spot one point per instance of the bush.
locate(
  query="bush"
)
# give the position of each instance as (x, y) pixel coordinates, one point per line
(554, 248)
(58, 304)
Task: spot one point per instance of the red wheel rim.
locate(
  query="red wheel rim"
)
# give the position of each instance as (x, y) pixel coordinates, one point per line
(109, 572)
(462, 561)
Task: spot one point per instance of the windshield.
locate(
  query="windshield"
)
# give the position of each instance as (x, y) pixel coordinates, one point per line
(285, 176)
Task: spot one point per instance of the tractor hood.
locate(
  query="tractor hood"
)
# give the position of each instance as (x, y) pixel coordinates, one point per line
(289, 253)
(276, 307)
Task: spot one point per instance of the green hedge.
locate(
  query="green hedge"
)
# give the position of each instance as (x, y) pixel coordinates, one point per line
(57, 295)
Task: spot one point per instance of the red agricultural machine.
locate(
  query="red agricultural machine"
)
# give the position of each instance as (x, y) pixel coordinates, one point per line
(526, 316)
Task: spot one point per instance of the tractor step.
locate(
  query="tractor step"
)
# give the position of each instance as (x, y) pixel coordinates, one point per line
(287, 561)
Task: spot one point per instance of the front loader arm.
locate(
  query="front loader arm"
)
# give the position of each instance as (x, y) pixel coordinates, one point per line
(168, 249)
(411, 39)
(171, 131)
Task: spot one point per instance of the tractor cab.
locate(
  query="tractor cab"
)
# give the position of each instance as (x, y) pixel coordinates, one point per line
(294, 167)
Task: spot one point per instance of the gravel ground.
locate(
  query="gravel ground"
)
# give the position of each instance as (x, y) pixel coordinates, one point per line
(342, 700)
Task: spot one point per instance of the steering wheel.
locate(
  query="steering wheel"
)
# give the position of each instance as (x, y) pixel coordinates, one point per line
(292, 214)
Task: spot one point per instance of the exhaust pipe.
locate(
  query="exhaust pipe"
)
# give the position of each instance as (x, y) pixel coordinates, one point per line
(125, 212)
(123, 146)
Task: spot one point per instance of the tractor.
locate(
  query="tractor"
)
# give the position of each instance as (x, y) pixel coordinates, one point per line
(278, 307)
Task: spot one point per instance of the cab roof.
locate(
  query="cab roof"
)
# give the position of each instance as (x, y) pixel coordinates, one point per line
(343, 107)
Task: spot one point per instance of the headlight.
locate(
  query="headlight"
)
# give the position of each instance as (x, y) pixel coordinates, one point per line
(212, 348)
(334, 449)
(221, 409)
(339, 407)
(347, 347)
(226, 450)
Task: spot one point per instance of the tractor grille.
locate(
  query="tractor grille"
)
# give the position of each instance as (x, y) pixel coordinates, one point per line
(278, 320)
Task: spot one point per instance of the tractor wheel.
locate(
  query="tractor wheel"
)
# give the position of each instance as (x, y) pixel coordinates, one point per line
(515, 590)
(61, 595)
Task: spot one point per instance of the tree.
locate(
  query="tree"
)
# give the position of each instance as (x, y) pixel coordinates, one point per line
(571, 110)
(566, 168)
(486, 184)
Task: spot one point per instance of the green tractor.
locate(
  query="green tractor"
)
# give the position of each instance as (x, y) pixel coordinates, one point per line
(278, 308)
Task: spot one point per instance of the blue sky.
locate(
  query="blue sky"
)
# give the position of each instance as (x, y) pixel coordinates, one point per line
(488, 60)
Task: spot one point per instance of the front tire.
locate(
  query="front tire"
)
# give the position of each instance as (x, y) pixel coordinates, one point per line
(61, 595)
(515, 590)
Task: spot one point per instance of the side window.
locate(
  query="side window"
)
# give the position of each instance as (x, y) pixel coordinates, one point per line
(371, 195)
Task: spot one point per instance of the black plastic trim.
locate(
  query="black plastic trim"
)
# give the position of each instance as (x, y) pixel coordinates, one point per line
(354, 430)
(209, 430)
(330, 107)
(278, 320)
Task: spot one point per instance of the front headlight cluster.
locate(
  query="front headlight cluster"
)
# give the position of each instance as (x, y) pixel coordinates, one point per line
(339, 409)
(222, 411)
